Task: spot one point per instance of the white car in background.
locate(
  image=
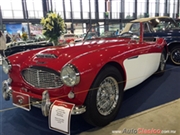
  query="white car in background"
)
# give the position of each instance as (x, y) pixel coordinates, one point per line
(68, 38)
(81, 37)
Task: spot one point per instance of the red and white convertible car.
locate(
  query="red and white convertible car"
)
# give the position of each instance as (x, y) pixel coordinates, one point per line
(92, 74)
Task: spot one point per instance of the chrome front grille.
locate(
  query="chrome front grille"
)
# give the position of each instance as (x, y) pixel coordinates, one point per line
(42, 77)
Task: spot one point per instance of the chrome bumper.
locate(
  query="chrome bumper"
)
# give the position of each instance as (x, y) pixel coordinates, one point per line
(44, 104)
(76, 110)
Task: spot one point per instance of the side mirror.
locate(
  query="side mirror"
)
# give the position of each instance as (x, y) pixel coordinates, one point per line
(135, 37)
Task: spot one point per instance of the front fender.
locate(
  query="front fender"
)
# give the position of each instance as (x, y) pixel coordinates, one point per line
(89, 66)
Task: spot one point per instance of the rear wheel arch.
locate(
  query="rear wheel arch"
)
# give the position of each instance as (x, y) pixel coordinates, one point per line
(172, 45)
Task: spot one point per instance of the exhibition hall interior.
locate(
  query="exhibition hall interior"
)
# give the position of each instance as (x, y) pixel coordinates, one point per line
(89, 67)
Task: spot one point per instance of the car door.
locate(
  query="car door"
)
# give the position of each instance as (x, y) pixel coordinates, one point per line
(141, 63)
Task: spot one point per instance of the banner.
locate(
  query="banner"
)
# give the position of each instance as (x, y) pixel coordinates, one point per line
(16, 28)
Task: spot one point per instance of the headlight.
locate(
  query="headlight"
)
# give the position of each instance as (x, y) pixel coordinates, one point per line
(6, 66)
(70, 75)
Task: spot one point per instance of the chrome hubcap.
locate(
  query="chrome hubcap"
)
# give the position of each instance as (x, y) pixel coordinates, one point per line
(107, 96)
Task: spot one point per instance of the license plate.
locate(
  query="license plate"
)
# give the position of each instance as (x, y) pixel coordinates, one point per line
(21, 100)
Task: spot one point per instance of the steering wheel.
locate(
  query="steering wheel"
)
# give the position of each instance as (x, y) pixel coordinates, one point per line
(129, 34)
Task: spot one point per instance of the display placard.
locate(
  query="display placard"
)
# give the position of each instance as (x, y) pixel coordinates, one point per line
(60, 116)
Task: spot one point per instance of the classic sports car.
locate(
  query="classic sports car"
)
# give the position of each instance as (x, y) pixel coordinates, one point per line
(165, 27)
(92, 74)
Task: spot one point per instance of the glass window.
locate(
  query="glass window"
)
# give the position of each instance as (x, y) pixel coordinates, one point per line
(6, 5)
(76, 9)
(129, 8)
(85, 6)
(68, 9)
(135, 27)
(34, 5)
(161, 7)
(34, 8)
(57, 6)
(116, 9)
(152, 8)
(76, 5)
(101, 4)
(168, 6)
(175, 7)
(11, 9)
(92, 9)
(85, 9)
(172, 8)
(141, 8)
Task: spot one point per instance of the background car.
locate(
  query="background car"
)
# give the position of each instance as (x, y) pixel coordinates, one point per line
(22, 43)
(165, 27)
(87, 36)
(178, 22)
(92, 75)
(27, 46)
(68, 38)
(108, 34)
(80, 38)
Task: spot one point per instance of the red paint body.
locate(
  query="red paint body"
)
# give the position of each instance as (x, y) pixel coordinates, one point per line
(89, 57)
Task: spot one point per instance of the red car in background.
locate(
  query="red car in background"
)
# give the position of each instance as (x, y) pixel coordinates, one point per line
(68, 38)
(92, 74)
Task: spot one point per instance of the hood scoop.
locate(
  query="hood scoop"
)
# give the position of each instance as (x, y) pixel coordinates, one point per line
(48, 56)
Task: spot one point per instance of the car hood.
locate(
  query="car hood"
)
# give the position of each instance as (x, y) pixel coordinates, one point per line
(60, 55)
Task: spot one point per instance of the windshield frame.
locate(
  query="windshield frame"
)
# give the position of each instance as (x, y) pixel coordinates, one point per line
(96, 29)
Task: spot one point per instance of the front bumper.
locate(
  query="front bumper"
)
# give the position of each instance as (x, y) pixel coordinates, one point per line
(44, 104)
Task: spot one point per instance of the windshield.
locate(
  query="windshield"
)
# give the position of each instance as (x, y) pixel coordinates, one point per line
(135, 27)
(153, 25)
(163, 24)
(103, 31)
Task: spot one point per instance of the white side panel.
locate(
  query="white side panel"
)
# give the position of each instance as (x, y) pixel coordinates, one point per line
(140, 68)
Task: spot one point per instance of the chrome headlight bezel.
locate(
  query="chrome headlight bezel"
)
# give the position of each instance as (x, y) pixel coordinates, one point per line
(70, 75)
(6, 66)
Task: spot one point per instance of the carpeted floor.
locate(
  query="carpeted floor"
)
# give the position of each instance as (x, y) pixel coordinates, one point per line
(153, 92)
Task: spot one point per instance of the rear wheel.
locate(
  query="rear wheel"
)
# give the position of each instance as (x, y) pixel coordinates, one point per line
(104, 98)
(175, 55)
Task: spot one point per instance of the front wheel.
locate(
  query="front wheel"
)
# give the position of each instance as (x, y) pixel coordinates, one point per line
(175, 55)
(104, 98)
